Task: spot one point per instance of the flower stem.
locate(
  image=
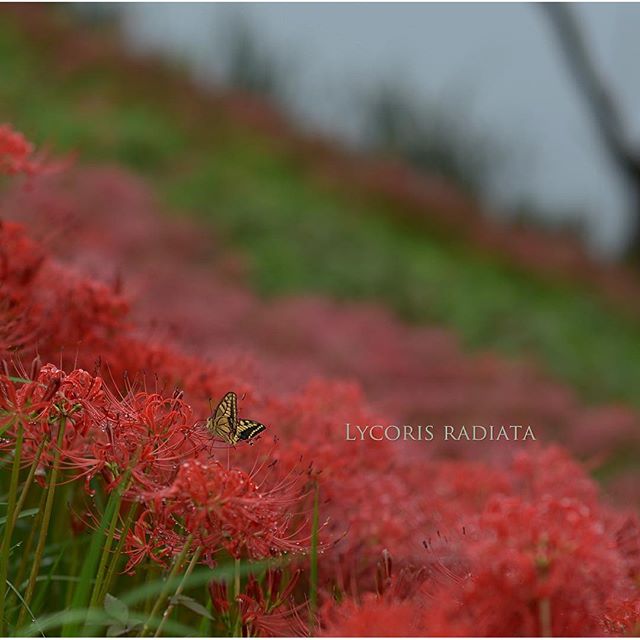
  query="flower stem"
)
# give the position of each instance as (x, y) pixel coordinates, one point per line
(44, 528)
(179, 590)
(29, 480)
(106, 549)
(8, 527)
(165, 590)
(26, 548)
(236, 593)
(115, 559)
(28, 545)
(545, 618)
(236, 578)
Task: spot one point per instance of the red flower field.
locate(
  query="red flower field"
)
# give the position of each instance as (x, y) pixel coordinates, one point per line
(119, 328)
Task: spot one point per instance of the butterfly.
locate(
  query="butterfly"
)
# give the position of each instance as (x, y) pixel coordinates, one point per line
(225, 424)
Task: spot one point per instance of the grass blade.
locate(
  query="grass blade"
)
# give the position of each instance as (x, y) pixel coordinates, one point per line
(8, 529)
(83, 590)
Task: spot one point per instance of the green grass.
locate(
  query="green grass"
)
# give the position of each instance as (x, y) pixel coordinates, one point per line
(302, 236)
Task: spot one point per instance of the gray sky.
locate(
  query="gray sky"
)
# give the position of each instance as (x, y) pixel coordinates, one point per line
(497, 61)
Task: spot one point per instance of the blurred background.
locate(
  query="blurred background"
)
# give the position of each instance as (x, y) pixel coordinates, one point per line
(481, 93)
(438, 201)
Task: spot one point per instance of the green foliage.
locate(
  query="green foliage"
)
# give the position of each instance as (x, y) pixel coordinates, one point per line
(301, 238)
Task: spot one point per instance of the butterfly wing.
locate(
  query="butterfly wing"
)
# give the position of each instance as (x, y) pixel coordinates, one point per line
(224, 422)
(225, 425)
(248, 429)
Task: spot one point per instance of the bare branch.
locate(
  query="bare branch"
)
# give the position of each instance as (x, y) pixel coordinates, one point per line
(602, 103)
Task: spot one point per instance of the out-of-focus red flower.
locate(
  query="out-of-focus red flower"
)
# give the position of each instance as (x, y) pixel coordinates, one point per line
(628, 544)
(542, 568)
(17, 154)
(374, 616)
(20, 261)
(20, 256)
(219, 597)
(622, 617)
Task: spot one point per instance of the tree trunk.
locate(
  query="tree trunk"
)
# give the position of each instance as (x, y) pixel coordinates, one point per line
(603, 107)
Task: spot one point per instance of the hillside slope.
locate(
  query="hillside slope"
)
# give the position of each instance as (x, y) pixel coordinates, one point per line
(308, 218)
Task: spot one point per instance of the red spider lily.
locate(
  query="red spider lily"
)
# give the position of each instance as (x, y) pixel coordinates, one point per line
(42, 405)
(17, 155)
(397, 609)
(77, 320)
(78, 312)
(219, 597)
(15, 152)
(523, 544)
(410, 373)
(549, 557)
(17, 332)
(225, 508)
(622, 617)
(373, 616)
(55, 307)
(20, 260)
(540, 568)
(628, 544)
(145, 434)
(20, 257)
(145, 541)
(265, 607)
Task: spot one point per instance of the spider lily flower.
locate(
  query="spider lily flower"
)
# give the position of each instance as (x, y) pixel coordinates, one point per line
(225, 509)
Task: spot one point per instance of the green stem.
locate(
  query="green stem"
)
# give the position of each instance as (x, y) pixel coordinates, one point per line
(237, 627)
(106, 549)
(29, 480)
(544, 610)
(179, 590)
(115, 559)
(205, 622)
(152, 574)
(11, 519)
(73, 569)
(44, 528)
(26, 550)
(236, 579)
(165, 591)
